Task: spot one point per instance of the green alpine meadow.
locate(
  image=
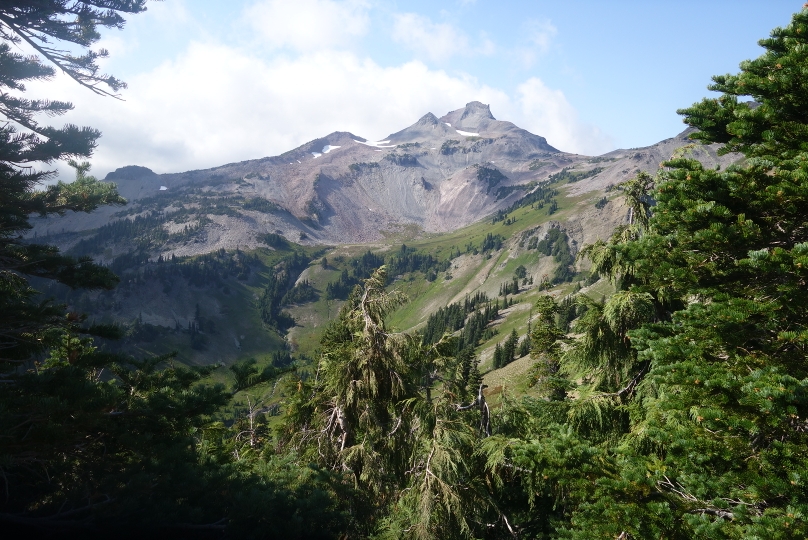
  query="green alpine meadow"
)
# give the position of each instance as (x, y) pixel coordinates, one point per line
(458, 332)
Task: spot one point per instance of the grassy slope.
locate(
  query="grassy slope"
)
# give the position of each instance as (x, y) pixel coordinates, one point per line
(469, 273)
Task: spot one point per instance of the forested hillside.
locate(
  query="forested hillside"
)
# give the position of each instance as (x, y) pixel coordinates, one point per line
(525, 376)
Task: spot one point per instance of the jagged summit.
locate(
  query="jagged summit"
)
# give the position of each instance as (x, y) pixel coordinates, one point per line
(428, 119)
(427, 128)
(474, 115)
(473, 120)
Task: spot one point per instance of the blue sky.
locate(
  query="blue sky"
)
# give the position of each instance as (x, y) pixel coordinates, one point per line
(212, 82)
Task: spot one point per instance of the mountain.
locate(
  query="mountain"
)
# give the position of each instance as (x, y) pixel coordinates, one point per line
(436, 175)
(215, 263)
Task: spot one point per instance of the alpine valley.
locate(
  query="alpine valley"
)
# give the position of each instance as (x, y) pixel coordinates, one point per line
(459, 331)
(252, 259)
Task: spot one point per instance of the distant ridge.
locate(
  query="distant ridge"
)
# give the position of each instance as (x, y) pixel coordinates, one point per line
(435, 175)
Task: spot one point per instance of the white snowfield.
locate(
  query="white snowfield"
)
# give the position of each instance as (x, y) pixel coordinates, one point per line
(377, 144)
(448, 124)
(467, 133)
(316, 154)
(163, 188)
(327, 148)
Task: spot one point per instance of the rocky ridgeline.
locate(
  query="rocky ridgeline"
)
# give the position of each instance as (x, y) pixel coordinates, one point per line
(437, 175)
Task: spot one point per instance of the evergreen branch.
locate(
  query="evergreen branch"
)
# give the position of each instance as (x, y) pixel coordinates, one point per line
(704, 507)
(57, 521)
(508, 524)
(57, 59)
(632, 385)
(46, 523)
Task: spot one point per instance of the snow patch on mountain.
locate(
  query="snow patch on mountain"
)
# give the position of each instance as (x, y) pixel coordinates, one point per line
(377, 144)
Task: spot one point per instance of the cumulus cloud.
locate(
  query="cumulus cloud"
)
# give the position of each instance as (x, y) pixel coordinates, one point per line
(186, 115)
(547, 112)
(307, 25)
(215, 104)
(436, 41)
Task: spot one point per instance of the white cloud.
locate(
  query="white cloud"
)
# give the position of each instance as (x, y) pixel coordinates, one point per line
(547, 112)
(216, 104)
(436, 41)
(185, 115)
(307, 25)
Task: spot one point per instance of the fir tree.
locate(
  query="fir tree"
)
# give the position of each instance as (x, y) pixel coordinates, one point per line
(546, 350)
(376, 415)
(509, 349)
(498, 361)
(706, 341)
(24, 142)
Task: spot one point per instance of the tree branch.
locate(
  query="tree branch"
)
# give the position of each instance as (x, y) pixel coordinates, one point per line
(48, 53)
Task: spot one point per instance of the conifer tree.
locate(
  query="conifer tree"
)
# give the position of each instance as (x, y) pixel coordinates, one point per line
(497, 358)
(717, 439)
(390, 413)
(509, 349)
(546, 349)
(24, 143)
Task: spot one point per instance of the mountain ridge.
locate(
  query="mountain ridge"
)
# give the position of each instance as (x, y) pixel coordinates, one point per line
(430, 177)
(445, 192)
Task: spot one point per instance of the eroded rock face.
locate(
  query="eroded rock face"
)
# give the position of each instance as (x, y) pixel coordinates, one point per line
(435, 175)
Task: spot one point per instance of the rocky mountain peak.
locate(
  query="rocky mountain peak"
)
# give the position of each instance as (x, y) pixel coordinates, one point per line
(474, 115)
(438, 174)
(428, 127)
(428, 119)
